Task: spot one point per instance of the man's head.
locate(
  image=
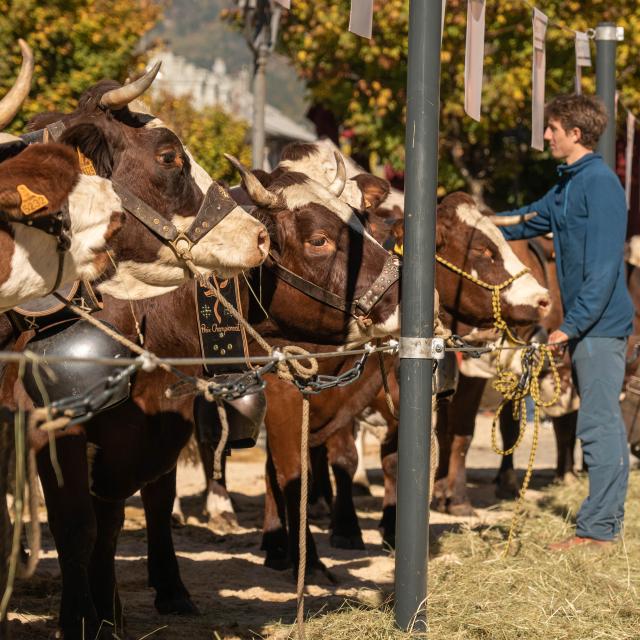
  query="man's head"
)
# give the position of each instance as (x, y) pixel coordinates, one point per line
(574, 125)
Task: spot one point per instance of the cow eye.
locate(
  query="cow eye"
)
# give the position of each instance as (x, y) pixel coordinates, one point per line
(318, 241)
(487, 253)
(168, 157)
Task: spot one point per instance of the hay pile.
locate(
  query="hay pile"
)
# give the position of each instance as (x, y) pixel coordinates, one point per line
(474, 593)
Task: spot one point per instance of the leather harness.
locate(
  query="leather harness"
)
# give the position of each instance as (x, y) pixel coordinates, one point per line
(359, 307)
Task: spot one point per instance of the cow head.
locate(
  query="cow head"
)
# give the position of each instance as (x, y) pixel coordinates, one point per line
(37, 184)
(138, 152)
(319, 238)
(470, 241)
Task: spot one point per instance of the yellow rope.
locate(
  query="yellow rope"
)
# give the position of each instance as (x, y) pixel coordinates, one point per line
(508, 384)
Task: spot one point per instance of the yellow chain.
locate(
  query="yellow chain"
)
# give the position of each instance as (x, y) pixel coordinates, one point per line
(507, 383)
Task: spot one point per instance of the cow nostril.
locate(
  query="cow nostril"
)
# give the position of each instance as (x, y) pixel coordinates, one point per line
(543, 302)
(263, 240)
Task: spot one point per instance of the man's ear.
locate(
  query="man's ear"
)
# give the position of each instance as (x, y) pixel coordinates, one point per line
(92, 142)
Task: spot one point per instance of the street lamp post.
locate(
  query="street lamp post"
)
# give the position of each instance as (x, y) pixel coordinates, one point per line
(261, 21)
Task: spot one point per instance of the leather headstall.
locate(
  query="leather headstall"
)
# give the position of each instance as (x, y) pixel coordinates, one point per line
(215, 206)
(359, 307)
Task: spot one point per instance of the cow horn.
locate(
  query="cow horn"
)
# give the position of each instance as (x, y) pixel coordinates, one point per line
(13, 100)
(257, 192)
(338, 184)
(122, 96)
(509, 221)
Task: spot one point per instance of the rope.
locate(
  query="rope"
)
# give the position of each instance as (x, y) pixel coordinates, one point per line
(222, 445)
(302, 532)
(385, 384)
(516, 389)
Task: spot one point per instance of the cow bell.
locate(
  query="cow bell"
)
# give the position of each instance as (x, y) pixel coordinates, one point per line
(72, 379)
(244, 415)
(446, 377)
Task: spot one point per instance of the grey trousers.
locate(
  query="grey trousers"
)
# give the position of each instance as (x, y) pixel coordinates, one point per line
(598, 367)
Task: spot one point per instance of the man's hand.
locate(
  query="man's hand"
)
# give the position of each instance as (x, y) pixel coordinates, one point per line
(558, 337)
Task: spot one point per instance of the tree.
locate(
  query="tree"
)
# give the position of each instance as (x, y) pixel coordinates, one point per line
(75, 44)
(363, 83)
(208, 134)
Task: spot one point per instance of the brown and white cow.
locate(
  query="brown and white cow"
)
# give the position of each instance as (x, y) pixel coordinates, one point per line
(142, 156)
(36, 183)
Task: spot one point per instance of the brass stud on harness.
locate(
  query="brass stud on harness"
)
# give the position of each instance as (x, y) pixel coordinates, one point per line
(156, 221)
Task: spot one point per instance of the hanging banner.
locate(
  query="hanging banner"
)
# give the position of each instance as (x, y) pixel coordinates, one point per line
(474, 58)
(628, 156)
(583, 57)
(538, 79)
(284, 3)
(361, 18)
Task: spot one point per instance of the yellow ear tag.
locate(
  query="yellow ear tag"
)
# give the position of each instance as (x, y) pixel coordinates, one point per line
(31, 202)
(86, 166)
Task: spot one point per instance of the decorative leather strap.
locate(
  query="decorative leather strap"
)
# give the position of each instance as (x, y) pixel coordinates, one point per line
(220, 333)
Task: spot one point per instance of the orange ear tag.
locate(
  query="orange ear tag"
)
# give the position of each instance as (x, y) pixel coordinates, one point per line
(31, 202)
(86, 166)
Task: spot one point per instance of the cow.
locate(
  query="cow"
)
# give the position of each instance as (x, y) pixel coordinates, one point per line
(135, 446)
(460, 227)
(55, 222)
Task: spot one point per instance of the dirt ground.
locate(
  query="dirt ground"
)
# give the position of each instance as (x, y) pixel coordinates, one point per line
(237, 596)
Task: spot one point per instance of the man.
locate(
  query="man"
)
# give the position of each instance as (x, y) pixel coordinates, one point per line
(587, 213)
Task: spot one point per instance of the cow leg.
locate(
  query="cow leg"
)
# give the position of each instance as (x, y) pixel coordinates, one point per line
(445, 438)
(218, 506)
(461, 422)
(389, 463)
(275, 541)
(164, 574)
(320, 491)
(343, 457)
(73, 525)
(102, 574)
(507, 486)
(361, 486)
(177, 516)
(564, 428)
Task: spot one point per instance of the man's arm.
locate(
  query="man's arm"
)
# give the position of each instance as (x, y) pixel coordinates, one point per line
(604, 242)
(537, 226)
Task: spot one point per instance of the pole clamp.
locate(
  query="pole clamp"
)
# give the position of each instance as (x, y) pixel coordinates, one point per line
(422, 348)
(609, 32)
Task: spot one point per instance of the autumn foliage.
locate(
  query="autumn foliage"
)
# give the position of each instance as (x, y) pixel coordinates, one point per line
(363, 83)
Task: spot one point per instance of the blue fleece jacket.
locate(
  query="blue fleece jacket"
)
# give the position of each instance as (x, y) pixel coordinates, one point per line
(587, 213)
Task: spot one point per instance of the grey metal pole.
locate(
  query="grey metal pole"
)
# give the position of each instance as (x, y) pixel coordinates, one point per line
(606, 43)
(417, 347)
(259, 104)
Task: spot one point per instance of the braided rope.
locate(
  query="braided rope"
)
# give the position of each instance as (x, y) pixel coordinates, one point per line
(302, 532)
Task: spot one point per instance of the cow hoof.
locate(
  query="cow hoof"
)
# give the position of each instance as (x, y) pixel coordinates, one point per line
(507, 487)
(360, 489)
(318, 510)
(317, 573)
(569, 479)
(177, 520)
(178, 604)
(347, 542)
(223, 523)
(277, 562)
(389, 541)
(461, 509)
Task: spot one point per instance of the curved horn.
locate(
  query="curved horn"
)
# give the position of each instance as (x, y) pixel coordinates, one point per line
(509, 221)
(257, 192)
(121, 97)
(338, 184)
(12, 102)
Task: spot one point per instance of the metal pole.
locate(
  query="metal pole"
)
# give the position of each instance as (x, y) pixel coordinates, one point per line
(259, 103)
(417, 347)
(607, 35)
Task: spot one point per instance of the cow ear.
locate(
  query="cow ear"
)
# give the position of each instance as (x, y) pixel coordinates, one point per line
(374, 190)
(92, 142)
(264, 177)
(10, 202)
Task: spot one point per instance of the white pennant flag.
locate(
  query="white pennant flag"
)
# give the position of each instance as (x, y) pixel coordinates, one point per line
(474, 58)
(538, 79)
(361, 18)
(285, 3)
(628, 159)
(583, 57)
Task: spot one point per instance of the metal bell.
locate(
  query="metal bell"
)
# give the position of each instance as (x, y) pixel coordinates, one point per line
(447, 375)
(245, 415)
(72, 379)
